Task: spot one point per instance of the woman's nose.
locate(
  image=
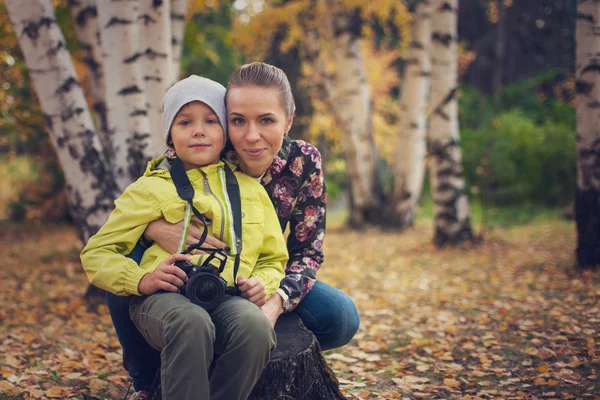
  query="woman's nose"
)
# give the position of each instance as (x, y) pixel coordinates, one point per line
(253, 134)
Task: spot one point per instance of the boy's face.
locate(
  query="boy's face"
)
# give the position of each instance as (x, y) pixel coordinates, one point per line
(197, 135)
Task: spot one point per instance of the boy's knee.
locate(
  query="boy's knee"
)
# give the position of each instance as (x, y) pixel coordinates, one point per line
(190, 323)
(257, 333)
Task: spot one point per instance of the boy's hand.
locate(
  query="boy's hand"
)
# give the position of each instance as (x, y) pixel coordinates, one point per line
(167, 235)
(165, 277)
(253, 290)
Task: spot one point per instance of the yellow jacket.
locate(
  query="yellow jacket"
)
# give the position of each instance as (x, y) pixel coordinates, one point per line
(153, 196)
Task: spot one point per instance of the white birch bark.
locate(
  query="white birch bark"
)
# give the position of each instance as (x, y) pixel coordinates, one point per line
(587, 75)
(411, 148)
(353, 109)
(178, 13)
(85, 21)
(451, 203)
(156, 63)
(90, 189)
(129, 125)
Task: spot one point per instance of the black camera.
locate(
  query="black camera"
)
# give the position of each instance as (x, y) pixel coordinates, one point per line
(205, 286)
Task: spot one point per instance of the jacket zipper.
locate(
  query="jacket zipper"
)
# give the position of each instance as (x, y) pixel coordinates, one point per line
(209, 192)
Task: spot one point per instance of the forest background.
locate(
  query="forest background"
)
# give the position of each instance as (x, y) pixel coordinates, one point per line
(502, 315)
(518, 144)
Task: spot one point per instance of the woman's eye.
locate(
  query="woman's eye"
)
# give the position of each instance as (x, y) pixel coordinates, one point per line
(237, 121)
(267, 121)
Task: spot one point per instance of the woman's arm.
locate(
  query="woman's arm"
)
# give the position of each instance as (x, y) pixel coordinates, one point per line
(273, 256)
(307, 229)
(167, 235)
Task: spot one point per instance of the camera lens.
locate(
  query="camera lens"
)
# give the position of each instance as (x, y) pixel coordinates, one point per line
(205, 290)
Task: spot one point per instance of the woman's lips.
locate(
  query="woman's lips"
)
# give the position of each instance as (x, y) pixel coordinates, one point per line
(255, 153)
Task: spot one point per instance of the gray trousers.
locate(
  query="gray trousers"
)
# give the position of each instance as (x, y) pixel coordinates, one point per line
(187, 336)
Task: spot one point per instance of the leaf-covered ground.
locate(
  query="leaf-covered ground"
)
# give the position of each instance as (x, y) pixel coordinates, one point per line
(509, 319)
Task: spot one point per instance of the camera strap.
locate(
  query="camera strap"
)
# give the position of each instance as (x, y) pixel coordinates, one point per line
(185, 190)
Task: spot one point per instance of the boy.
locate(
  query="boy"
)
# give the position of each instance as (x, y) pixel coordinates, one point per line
(194, 119)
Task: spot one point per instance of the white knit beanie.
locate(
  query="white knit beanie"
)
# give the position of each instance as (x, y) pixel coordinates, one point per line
(194, 88)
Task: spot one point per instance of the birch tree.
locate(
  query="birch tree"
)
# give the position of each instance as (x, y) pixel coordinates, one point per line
(156, 62)
(451, 205)
(129, 125)
(89, 184)
(353, 110)
(100, 159)
(587, 75)
(85, 21)
(411, 147)
(177, 13)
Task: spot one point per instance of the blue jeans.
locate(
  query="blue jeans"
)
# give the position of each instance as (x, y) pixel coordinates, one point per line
(328, 312)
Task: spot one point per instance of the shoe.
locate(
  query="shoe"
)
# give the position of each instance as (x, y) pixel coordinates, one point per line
(141, 395)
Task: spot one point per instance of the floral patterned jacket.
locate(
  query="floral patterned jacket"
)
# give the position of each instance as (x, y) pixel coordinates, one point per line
(296, 186)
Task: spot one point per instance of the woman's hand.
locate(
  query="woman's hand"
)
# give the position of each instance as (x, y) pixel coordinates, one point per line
(167, 235)
(253, 290)
(273, 308)
(165, 277)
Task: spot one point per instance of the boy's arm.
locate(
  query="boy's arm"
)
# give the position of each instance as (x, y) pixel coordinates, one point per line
(103, 258)
(270, 266)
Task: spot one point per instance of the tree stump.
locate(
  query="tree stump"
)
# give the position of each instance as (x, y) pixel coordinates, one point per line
(297, 369)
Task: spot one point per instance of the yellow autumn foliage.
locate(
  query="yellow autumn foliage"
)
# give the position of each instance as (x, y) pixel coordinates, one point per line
(297, 17)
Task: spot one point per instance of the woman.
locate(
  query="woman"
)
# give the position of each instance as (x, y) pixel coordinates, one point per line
(260, 113)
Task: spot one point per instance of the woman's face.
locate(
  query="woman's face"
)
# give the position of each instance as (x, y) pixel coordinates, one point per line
(257, 124)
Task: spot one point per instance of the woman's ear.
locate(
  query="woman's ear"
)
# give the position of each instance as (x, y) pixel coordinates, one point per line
(288, 125)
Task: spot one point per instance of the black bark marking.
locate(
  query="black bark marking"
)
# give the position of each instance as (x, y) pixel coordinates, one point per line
(60, 142)
(587, 217)
(133, 58)
(100, 109)
(416, 45)
(586, 17)
(49, 122)
(54, 50)
(138, 113)
(444, 38)
(157, 3)
(85, 14)
(178, 17)
(32, 29)
(73, 152)
(147, 19)
(446, 7)
(591, 67)
(70, 83)
(151, 54)
(70, 113)
(152, 78)
(583, 87)
(118, 21)
(439, 110)
(464, 235)
(127, 90)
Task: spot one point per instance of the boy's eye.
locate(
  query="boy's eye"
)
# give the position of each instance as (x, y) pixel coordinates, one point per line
(184, 122)
(212, 121)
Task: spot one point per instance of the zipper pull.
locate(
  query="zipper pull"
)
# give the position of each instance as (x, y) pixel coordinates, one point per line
(206, 186)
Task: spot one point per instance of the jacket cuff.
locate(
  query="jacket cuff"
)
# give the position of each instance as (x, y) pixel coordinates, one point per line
(132, 280)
